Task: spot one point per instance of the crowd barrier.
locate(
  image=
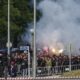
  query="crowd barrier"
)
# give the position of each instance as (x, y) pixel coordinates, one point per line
(49, 71)
(42, 72)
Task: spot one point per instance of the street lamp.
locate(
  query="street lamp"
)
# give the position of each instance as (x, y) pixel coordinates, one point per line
(8, 40)
(34, 56)
(33, 45)
(8, 28)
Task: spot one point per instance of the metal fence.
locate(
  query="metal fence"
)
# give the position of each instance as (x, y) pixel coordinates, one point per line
(44, 71)
(57, 70)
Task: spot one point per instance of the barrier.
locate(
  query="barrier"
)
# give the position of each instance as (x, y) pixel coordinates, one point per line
(42, 72)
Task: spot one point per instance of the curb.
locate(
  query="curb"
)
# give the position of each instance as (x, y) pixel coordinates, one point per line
(41, 78)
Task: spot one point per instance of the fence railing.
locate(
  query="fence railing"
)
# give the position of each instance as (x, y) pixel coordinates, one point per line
(43, 71)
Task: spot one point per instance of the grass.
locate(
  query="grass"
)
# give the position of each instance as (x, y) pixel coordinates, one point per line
(72, 73)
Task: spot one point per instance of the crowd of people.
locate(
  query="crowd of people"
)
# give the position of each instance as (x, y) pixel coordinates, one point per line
(18, 64)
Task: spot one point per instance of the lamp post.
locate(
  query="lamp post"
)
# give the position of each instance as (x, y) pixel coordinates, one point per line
(8, 40)
(34, 55)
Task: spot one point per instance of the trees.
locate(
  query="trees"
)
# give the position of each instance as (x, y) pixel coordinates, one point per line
(21, 14)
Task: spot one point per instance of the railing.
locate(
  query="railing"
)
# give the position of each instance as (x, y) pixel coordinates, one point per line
(44, 71)
(57, 70)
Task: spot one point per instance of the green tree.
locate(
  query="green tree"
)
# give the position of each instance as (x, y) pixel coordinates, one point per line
(21, 14)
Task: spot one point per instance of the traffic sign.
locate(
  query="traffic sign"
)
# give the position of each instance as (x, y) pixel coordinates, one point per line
(24, 48)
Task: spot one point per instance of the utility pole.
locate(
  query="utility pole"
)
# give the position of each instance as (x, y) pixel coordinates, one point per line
(34, 50)
(8, 40)
(70, 57)
(9, 27)
(28, 62)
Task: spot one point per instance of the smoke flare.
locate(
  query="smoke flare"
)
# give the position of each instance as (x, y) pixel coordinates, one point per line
(60, 22)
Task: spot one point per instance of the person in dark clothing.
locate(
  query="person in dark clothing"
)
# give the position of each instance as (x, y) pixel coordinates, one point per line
(24, 67)
(13, 69)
